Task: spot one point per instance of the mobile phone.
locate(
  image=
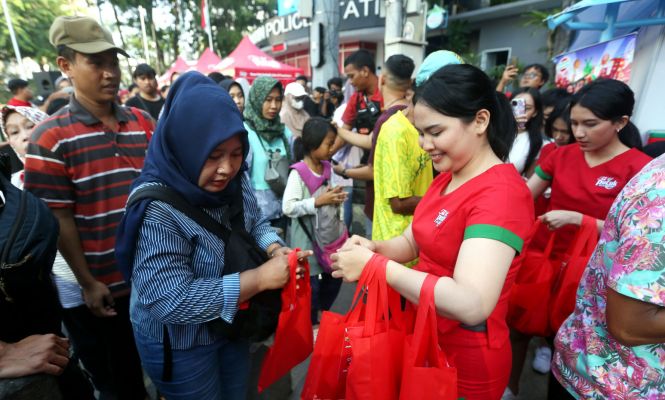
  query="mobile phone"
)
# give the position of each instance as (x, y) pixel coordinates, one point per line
(519, 107)
(514, 60)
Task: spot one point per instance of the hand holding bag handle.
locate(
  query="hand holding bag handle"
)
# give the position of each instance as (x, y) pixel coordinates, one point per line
(293, 338)
(529, 302)
(426, 374)
(565, 290)
(375, 344)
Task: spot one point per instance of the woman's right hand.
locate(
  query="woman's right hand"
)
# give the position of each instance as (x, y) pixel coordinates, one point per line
(274, 273)
(356, 240)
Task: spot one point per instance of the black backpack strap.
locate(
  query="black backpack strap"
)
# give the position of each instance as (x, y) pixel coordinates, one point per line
(304, 228)
(172, 197)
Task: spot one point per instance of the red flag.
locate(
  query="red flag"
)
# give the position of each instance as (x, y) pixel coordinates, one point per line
(204, 13)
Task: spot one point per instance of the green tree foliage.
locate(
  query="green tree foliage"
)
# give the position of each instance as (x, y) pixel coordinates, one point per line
(31, 20)
(229, 20)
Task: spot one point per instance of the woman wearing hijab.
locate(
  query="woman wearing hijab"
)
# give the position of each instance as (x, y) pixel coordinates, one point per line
(17, 124)
(235, 91)
(293, 113)
(266, 134)
(179, 288)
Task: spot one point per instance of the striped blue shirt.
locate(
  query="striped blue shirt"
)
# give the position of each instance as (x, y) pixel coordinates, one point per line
(177, 277)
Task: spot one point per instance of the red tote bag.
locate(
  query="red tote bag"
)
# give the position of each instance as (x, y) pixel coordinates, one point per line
(529, 304)
(426, 374)
(328, 368)
(293, 338)
(576, 259)
(376, 344)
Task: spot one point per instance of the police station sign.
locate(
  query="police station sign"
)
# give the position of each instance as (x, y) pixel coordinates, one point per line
(354, 14)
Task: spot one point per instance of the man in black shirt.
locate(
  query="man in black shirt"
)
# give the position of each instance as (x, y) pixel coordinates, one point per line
(148, 97)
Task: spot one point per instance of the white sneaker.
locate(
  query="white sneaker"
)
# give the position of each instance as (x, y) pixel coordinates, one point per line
(542, 360)
(508, 395)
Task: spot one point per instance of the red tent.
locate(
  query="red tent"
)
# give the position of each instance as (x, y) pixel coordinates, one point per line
(207, 62)
(248, 61)
(180, 66)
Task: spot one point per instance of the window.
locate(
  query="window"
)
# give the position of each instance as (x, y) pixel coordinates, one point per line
(493, 57)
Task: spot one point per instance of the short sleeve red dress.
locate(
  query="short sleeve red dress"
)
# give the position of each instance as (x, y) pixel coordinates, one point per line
(578, 187)
(494, 205)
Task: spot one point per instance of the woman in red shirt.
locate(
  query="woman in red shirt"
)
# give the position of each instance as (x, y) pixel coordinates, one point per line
(468, 229)
(586, 176)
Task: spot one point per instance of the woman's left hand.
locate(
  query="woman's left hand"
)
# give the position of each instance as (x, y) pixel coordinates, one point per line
(555, 219)
(348, 263)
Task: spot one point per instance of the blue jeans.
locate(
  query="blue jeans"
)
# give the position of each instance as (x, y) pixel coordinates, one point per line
(348, 207)
(216, 371)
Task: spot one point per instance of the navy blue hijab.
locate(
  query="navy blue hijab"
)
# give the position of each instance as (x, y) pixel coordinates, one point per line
(198, 116)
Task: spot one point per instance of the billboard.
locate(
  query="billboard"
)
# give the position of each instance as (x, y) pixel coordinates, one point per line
(612, 59)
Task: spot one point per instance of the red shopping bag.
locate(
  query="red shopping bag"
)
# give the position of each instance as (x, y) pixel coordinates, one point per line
(346, 352)
(326, 376)
(575, 261)
(377, 343)
(529, 303)
(426, 374)
(293, 338)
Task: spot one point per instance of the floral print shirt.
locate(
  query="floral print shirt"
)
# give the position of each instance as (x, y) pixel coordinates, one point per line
(629, 259)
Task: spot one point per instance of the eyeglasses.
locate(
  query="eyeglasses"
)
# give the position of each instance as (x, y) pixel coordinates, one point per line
(531, 75)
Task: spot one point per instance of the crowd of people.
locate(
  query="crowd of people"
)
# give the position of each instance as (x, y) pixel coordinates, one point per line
(462, 180)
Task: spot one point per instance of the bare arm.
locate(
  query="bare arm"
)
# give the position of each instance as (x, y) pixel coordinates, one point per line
(508, 75)
(55, 95)
(356, 139)
(469, 296)
(633, 322)
(95, 293)
(404, 206)
(364, 173)
(537, 185)
(402, 248)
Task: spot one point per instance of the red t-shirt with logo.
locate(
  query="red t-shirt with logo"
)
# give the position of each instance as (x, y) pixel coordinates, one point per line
(588, 190)
(496, 205)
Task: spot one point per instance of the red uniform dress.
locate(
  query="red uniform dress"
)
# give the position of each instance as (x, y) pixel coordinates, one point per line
(578, 187)
(495, 205)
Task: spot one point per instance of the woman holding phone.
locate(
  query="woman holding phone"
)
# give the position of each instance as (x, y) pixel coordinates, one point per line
(527, 108)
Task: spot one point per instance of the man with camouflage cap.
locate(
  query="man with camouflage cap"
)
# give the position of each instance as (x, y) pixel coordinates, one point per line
(81, 162)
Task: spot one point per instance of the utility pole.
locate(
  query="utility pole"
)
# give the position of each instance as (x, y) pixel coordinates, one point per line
(12, 35)
(405, 29)
(324, 38)
(144, 35)
(394, 20)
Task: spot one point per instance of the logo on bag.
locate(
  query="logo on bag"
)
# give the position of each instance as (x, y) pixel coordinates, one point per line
(443, 214)
(606, 182)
